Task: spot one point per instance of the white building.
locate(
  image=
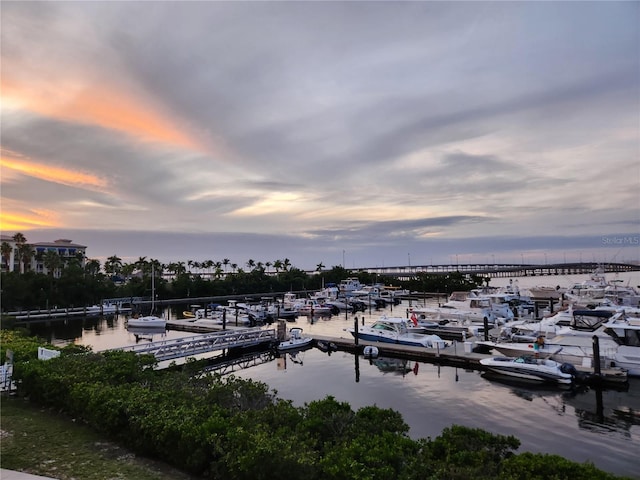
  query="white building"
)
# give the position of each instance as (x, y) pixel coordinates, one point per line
(63, 247)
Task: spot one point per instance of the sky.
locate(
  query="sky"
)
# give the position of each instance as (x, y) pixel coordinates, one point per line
(361, 134)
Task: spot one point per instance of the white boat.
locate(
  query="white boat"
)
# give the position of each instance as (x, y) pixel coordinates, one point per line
(151, 320)
(467, 307)
(311, 307)
(348, 285)
(296, 340)
(531, 369)
(147, 321)
(626, 334)
(618, 342)
(395, 330)
(105, 308)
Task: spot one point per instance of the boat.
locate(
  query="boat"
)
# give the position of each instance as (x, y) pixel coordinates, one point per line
(310, 307)
(395, 330)
(467, 307)
(106, 308)
(348, 285)
(296, 340)
(626, 334)
(618, 342)
(530, 368)
(151, 320)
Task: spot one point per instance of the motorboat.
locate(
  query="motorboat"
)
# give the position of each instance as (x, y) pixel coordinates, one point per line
(626, 334)
(530, 368)
(349, 285)
(149, 321)
(296, 340)
(395, 330)
(467, 307)
(104, 308)
(310, 307)
(618, 342)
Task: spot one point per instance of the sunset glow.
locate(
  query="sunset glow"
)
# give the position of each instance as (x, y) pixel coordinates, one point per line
(53, 174)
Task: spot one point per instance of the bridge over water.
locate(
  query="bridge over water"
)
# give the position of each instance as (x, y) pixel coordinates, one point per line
(502, 269)
(183, 347)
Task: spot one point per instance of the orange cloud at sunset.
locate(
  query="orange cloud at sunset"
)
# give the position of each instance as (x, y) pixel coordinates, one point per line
(98, 106)
(51, 174)
(26, 221)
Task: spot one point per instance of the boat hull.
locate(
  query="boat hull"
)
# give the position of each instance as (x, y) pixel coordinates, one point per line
(544, 371)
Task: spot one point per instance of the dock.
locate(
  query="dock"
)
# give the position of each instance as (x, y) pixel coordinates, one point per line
(193, 345)
(458, 354)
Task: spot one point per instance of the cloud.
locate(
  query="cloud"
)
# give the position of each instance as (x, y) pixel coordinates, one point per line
(307, 123)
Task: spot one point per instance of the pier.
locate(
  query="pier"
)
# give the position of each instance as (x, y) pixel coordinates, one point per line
(205, 343)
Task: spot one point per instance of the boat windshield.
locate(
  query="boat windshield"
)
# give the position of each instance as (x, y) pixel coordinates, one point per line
(625, 336)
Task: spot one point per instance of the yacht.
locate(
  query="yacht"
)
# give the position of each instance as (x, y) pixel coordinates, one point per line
(530, 368)
(395, 330)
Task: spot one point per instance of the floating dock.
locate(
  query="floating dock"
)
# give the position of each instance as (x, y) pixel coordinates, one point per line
(458, 354)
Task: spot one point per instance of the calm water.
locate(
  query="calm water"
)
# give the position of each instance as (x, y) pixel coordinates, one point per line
(586, 425)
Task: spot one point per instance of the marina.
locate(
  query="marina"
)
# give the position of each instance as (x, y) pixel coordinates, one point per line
(431, 388)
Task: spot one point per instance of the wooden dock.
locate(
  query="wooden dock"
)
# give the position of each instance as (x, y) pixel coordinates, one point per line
(458, 354)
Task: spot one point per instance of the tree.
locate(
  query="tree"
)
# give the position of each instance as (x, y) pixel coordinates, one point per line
(52, 262)
(5, 251)
(26, 253)
(277, 265)
(251, 263)
(226, 262)
(113, 265)
(20, 240)
(319, 267)
(92, 267)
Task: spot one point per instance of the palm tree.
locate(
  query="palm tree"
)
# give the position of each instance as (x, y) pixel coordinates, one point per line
(225, 262)
(113, 265)
(20, 240)
(277, 265)
(92, 267)
(268, 264)
(234, 266)
(26, 253)
(141, 264)
(319, 267)
(210, 264)
(5, 251)
(52, 262)
(251, 263)
(286, 264)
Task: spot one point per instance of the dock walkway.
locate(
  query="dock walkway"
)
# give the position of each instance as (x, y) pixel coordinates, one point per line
(458, 354)
(204, 343)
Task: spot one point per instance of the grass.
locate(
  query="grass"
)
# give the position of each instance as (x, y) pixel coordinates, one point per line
(37, 441)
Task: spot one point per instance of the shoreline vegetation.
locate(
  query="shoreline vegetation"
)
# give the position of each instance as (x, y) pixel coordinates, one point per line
(76, 281)
(208, 426)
